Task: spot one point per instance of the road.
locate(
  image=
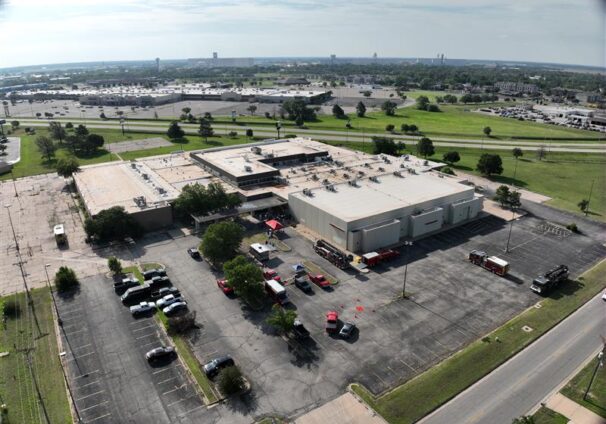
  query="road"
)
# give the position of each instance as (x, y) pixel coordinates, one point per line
(528, 378)
(342, 136)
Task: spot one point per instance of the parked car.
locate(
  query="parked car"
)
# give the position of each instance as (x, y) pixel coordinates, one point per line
(142, 308)
(174, 308)
(167, 300)
(151, 273)
(299, 330)
(126, 283)
(332, 320)
(213, 367)
(162, 352)
(303, 284)
(164, 291)
(222, 284)
(194, 253)
(270, 274)
(604, 295)
(319, 280)
(159, 282)
(347, 330)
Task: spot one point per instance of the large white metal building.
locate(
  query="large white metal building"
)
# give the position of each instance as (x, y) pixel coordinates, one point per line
(382, 210)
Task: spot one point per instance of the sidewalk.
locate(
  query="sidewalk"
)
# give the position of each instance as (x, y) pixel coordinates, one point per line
(345, 409)
(576, 413)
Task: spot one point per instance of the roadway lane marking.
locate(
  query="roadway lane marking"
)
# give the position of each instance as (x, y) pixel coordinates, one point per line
(98, 418)
(92, 394)
(94, 406)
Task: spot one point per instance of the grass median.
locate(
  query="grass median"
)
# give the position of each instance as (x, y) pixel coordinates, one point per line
(21, 338)
(421, 395)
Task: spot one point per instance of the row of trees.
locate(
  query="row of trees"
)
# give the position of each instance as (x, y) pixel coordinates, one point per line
(78, 140)
(423, 103)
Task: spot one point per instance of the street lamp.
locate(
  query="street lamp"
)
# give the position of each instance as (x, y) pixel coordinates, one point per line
(407, 244)
(122, 125)
(278, 127)
(50, 288)
(599, 364)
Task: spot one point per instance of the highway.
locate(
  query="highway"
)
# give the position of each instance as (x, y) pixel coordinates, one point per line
(339, 136)
(527, 379)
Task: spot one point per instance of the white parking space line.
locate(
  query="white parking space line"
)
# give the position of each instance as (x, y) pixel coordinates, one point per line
(190, 411)
(143, 328)
(94, 406)
(82, 347)
(146, 335)
(174, 390)
(92, 394)
(75, 358)
(87, 384)
(181, 400)
(167, 380)
(150, 343)
(98, 418)
(87, 374)
(72, 311)
(162, 370)
(71, 333)
(70, 318)
(140, 321)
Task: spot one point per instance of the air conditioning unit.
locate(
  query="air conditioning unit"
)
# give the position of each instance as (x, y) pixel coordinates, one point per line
(331, 187)
(353, 183)
(398, 174)
(247, 168)
(374, 179)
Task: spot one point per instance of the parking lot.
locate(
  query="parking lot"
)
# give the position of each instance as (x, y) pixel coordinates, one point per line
(451, 302)
(110, 378)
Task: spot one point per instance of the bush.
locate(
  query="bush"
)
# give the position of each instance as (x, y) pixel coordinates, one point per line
(290, 136)
(233, 134)
(389, 127)
(230, 381)
(114, 264)
(11, 308)
(447, 170)
(573, 227)
(66, 279)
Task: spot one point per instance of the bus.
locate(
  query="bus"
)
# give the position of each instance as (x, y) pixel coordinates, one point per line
(277, 292)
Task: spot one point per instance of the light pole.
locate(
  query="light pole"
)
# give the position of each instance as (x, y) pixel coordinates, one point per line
(278, 127)
(10, 220)
(50, 288)
(407, 245)
(513, 215)
(589, 200)
(515, 171)
(599, 364)
(122, 125)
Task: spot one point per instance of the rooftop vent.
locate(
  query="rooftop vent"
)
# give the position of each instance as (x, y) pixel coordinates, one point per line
(247, 168)
(256, 150)
(307, 192)
(353, 183)
(331, 187)
(398, 174)
(374, 179)
(381, 169)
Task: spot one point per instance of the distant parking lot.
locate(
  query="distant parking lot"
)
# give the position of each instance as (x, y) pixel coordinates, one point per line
(105, 356)
(451, 302)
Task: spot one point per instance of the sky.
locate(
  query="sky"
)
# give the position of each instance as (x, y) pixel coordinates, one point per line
(59, 31)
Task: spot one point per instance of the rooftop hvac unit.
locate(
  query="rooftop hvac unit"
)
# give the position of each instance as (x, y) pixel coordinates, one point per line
(145, 176)
(339, 163)
(361, 173)
(374, 179)
(406, 157)
(314, 177)
(398, 174)
(307, 192)
(133, 165)
(332, 171)
(331, 187)
(425, 163)
(402, 165)
(346, 176)
(353, 183)
(381, 169)
(325, 181)
(367, 165)
(256, 150)
(247, 168)
(160, 190)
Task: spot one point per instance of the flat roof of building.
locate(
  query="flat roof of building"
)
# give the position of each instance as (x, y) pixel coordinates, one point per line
(389, 192)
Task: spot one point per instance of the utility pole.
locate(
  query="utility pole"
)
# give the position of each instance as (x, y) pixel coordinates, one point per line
(513, 216)
(599, 363)
(278, 127)
(589, 200)
(20, 263)
(407, 245)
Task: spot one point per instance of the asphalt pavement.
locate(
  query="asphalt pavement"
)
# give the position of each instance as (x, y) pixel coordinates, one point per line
(520, 384)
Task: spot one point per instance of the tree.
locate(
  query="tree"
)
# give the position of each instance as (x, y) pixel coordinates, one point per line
(72, 142)
(205, 130)
(432, 108)
(390, 127)
(66, 279)
(360, 109)
(175, 131)
(252, 109)
(541, 153)
(114, 265)
(384, 145)
(389, 108)
(367, 93)
(517, 152)
(490, 164)
(233, 134)
(502, 195)
(56, 131)
(514, 200)
(81, 131)
(425, 147)
(338, 112)
(422, 102)
(282, 319)
(487, 131)
(15, 124)
(186, 110)
(221, 241)
(112, 224)
(67, 166)
(196, 199)
(46, 147)
(69, 126)
(451, 157)
(208, 115)
(583, 205)
(526, 419)
(91, 142)
(102, 116)
(249, 133)
(400, 146)
(245, 277)
(297, 110)
(2, 149)
(404, 128)
(413, 128)
(230, 381)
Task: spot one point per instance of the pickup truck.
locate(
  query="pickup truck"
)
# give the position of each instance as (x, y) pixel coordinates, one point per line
(319, 280)
(125, 284)
(299, 330)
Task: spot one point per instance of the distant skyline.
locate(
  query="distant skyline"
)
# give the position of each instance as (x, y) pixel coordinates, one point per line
(62, 31)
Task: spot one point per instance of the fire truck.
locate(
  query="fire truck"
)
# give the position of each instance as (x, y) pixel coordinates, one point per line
(544, 283)
(332, 254)
(374, 258)
(491, 263)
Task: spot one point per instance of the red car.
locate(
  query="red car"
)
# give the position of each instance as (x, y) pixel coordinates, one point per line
(222, 284)
(319, 280)
(332, 320)
(270, 274)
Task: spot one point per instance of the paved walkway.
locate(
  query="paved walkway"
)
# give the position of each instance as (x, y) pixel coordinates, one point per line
(345, 409)
(142, 144)
(576, 413)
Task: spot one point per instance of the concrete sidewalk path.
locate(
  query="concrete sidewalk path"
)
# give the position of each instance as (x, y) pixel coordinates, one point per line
(576, 413)
(345, 409)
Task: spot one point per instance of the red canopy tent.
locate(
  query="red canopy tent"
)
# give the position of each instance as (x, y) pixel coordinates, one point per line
(274, 225)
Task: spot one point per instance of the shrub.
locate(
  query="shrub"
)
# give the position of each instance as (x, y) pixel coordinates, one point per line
(389, 127)
(114, 264)
(11, 308)
(573, 227)
(233, 134)
(66, 279)
(230, 381)
(447, 170)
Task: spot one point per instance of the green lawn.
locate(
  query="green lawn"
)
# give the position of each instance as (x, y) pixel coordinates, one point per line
(547, 416)
(566, 177)
(453, 121)
(421, 395)
(17, 389)
(596, 398)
